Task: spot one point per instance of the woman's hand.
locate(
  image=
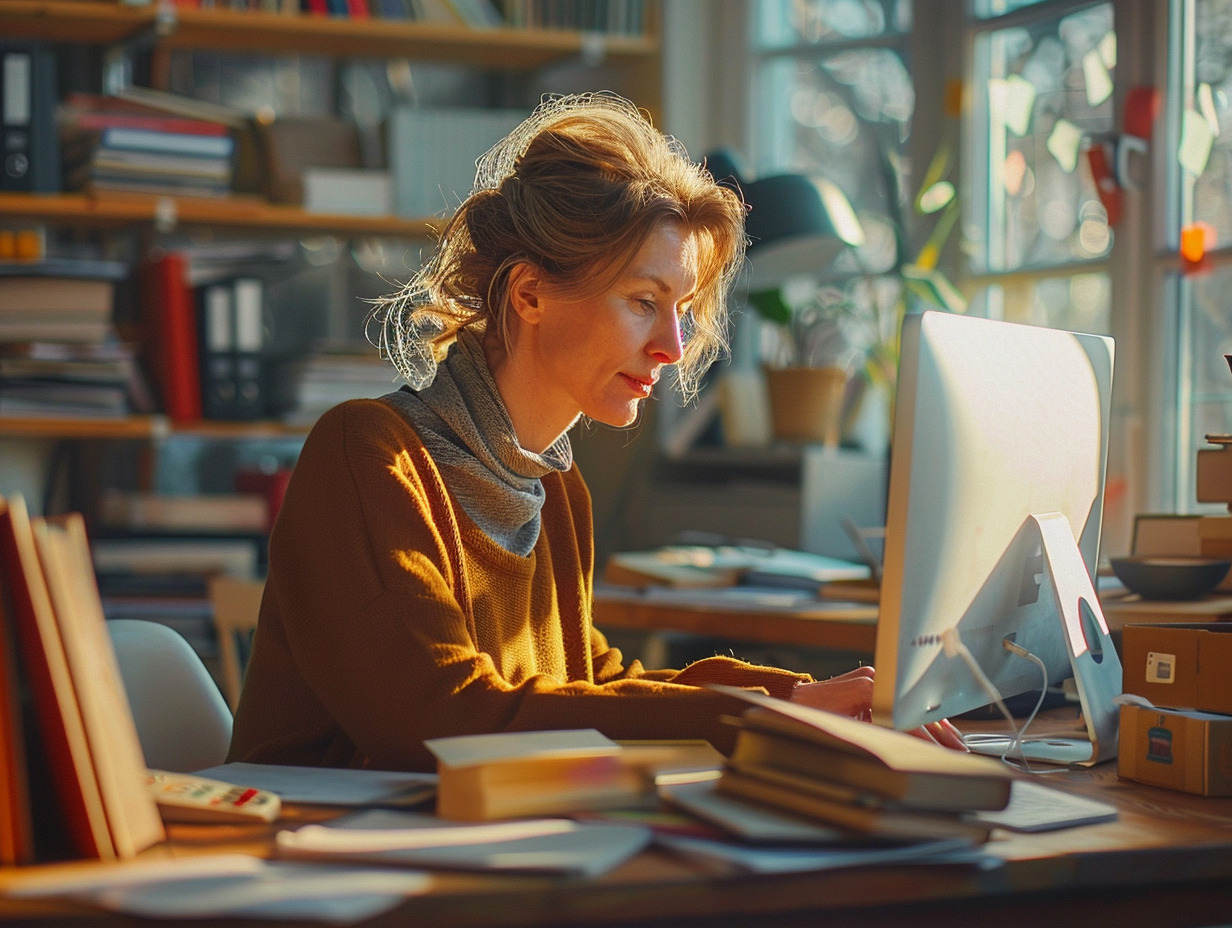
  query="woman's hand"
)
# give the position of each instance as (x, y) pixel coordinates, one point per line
(851, 694)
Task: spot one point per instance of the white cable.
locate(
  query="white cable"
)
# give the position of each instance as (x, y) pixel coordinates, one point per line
(954, 647)
(1014, 648)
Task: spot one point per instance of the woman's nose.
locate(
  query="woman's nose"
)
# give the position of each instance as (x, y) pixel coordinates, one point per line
(668, 344)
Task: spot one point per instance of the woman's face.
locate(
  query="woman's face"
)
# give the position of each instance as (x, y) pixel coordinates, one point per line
(598, 357)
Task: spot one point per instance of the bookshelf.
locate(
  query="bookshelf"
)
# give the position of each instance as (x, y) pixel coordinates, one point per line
(100, 22)
(165, 28)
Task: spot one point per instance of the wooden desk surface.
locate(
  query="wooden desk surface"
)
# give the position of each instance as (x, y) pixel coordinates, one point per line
(1167, 861)
(808, 622)
(788, 619)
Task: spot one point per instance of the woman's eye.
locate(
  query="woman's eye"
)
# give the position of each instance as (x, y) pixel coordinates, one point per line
(648, 306)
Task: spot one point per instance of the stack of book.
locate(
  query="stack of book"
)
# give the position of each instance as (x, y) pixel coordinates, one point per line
(59, 355)
(113, 144)
(477, 14)
(330, 376)
(703, 566)
(860, 778)
(611, 17)
(161, 574)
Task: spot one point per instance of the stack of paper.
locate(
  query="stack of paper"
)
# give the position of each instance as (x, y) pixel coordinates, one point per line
(542, 845)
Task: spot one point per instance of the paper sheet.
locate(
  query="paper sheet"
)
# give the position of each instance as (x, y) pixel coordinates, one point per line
(329, 786)
(231, 885)
(779, 859)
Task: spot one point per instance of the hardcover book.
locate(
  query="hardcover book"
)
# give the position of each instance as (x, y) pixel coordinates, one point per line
(514, 774)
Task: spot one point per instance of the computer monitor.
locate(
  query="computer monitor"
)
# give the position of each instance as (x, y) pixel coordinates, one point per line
(992, 527)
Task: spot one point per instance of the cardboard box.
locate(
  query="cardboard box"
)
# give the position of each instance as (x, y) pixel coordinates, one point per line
(1214, 475)
(1187, 751)
(1182, 665)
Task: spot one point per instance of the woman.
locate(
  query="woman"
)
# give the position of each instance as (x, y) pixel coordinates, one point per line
(431, 567)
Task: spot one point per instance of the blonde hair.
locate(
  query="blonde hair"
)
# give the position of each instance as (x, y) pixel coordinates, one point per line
(575, 190)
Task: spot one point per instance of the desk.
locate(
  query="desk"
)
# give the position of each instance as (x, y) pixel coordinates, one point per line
(1121, 609)
(1166, 862)
(785, 618)
(794, 619)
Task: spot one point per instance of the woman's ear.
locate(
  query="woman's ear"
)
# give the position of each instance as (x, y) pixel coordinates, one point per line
(524, 282)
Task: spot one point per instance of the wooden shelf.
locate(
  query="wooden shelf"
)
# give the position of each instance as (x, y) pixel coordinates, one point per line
(167, 212)
(503, 49)
(138, 427)
(141, 428)
(100, 22)
(95, 23)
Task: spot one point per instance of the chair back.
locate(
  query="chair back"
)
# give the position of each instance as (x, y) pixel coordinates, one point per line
(182, 720)
(237, 602)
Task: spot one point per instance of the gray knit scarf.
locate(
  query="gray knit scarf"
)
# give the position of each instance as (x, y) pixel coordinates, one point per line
(465, 427)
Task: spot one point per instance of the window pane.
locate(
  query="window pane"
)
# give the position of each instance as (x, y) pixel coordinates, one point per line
(1079, 302)
(1046, 95)
(845, 117)
(1208, 119)
(1203, 400)
(987, 9)
(784, 23)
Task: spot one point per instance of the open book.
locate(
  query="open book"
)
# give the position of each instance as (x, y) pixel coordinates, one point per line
(57, 653)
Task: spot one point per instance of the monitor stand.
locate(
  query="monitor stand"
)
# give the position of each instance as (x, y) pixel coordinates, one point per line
(1097, 669)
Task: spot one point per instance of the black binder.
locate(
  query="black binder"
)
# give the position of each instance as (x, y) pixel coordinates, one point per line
(248, 296)
(29, 143)
(216, 317)
(232, 335)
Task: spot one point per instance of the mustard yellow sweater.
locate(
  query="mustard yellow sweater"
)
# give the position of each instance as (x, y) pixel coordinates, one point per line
(389, 617)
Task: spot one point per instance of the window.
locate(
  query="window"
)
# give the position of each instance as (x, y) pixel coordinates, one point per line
(1093, 173)
(836, 101)
(1199, 388)
(1042, 90)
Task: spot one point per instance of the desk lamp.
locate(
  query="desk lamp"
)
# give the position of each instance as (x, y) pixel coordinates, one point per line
(797, 225)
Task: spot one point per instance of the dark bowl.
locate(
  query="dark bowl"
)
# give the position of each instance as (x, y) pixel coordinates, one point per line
(1170, 577)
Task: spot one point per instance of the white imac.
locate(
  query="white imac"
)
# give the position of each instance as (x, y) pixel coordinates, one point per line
(992, 532)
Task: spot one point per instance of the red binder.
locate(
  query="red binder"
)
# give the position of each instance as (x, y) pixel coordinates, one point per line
(170, 316)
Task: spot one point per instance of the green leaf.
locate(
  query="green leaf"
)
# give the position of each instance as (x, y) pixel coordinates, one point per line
(771, 305)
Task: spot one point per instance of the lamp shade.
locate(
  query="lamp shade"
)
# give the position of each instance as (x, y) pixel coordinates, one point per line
(796, 224)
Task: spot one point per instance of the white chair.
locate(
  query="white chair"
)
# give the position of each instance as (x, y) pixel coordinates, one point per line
(182, 720)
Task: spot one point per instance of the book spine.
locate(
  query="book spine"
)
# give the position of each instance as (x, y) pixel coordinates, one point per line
(16, 828)
(98, 122)
(174, 353)
(217, 146)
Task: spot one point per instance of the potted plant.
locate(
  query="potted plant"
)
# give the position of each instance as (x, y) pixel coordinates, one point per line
(808, 356)
(832, 347)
